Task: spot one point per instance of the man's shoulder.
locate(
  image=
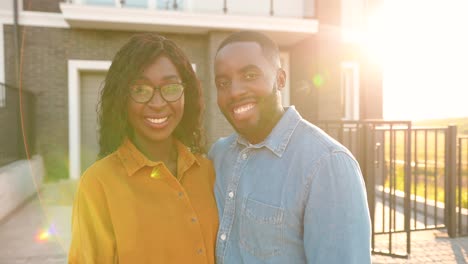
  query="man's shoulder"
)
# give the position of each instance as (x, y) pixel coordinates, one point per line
(221, 145)
(308, 135)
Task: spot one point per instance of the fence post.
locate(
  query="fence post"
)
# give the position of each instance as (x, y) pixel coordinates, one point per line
(451, 173)
(366, 161)
(407, 202)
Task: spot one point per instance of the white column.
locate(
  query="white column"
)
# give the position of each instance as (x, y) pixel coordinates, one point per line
(74, 119)
(2, 66)
(2, 55)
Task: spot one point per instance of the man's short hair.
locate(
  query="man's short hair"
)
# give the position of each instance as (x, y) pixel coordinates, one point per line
(269, 48)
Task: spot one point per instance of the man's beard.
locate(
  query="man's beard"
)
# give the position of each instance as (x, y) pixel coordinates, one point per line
(267, 115)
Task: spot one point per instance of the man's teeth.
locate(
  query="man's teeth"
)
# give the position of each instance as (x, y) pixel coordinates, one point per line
(157, 120)
(243, 108)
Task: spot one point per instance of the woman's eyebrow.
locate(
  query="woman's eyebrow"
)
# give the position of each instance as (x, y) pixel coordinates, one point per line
(171, 77)
(164, 78)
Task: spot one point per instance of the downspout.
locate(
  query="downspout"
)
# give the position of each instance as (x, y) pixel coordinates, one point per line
(16, 38)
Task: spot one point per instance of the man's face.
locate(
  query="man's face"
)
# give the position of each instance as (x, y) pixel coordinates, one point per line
(247, 86)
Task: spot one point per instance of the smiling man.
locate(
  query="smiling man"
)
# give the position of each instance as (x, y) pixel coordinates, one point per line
(286, 192)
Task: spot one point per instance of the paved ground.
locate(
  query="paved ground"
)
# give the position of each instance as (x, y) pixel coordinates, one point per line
(21, 241)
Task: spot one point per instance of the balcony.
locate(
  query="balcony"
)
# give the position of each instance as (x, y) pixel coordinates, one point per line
(283, 20)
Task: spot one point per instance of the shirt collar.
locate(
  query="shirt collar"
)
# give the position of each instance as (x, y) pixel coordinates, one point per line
(279, 137)
(133, 160)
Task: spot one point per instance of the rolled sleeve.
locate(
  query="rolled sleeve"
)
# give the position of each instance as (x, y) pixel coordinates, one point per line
(336, 221)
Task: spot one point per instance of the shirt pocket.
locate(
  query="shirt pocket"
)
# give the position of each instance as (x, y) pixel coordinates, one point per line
(261, 229)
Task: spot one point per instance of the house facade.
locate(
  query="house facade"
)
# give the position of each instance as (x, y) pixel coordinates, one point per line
(60, 51)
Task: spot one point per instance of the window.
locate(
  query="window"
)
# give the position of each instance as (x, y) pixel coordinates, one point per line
(350, 90)
(284, 59)
(135, 3)
(2, 95)
(100, 2)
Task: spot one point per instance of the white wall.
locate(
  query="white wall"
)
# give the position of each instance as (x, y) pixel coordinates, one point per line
(19, 180)
(352, 14)
(6, 5)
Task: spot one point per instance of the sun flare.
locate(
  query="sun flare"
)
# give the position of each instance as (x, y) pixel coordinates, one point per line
(422, 48)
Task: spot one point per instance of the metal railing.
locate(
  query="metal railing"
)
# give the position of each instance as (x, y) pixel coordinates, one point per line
(416, 178)
(462, 186)
(375, 144)
(169, 5)
(17, 125)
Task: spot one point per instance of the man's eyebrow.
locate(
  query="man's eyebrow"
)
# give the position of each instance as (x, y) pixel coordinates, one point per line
(248, 68)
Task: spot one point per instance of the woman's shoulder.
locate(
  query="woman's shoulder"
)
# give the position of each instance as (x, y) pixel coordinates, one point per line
(102, 167)
(203, 160)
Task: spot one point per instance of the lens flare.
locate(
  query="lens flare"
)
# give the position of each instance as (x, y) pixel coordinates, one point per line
(318, 80)
(45, 235)
(42, 236)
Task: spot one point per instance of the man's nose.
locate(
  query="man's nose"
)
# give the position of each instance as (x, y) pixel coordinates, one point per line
(238, 88)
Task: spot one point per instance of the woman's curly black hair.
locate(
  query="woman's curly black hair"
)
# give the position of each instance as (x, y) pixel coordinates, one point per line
(129, 62)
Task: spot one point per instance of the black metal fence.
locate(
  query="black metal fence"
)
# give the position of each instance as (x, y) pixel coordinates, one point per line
(378, 146)
(16, 124)
(462, 186)
(416, 178)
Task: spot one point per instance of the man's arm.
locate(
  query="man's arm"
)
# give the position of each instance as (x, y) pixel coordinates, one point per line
(219, 194)
(336, 221)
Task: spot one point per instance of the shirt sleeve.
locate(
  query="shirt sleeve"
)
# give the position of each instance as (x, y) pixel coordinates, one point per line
(92, 233)
(218, 191)
(336, 221)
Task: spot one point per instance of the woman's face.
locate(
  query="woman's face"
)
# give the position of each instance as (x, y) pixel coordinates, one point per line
(155, 120)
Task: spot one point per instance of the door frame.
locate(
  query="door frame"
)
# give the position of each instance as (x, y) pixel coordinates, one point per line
(75, 67)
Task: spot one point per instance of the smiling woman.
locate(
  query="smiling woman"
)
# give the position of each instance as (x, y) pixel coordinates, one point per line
(422, 47)
(151, 194)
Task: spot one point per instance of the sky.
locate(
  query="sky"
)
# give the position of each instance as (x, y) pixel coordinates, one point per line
(423, 48)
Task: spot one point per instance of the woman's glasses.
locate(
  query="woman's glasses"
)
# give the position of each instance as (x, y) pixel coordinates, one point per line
(142, 93)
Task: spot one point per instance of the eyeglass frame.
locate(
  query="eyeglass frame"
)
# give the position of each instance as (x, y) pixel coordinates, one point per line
(158, 88)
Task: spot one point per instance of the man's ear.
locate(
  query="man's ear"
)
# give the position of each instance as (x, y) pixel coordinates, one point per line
(281, 78)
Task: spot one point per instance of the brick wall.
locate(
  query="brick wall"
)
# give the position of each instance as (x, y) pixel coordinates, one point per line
(304, 67)
(42, 5)
(9, 130)
(216, 125)
(45, 55)
(317, 57)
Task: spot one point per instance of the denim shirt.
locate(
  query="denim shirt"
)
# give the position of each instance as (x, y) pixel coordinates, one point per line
(296, 197)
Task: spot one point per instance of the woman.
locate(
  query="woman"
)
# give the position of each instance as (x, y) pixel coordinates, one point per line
(150, 198)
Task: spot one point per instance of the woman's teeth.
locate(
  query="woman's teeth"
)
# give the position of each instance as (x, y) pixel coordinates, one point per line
(157, 120)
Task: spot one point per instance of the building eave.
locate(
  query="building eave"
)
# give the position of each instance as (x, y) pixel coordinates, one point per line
(285, 31)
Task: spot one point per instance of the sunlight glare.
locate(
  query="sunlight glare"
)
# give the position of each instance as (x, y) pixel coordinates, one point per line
(422, 46)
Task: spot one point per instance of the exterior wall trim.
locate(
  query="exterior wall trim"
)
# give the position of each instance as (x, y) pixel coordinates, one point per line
(74, 131)
(35, 19)
(2, 55)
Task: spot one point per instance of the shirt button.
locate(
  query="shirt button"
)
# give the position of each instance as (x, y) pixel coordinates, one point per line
(223, 237)
(193, 219)
(244, 156)
(181, 194)
(231, 194)
(200, 251)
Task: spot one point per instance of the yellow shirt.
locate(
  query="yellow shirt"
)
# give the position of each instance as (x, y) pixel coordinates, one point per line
(129, 209)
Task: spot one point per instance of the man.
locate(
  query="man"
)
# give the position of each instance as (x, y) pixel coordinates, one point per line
(286, 192)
